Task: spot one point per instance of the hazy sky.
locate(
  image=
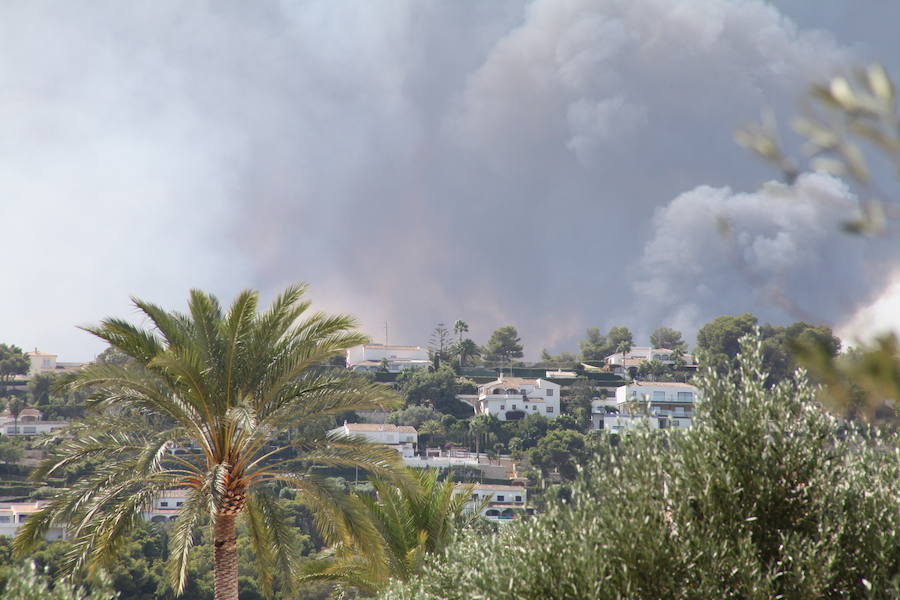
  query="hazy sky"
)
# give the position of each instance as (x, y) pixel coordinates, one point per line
(554, 164)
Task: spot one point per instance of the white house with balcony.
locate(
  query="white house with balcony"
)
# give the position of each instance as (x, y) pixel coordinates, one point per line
(514, 398)
(402, 438)
(619, 422)
(28, 422)
(498, 502)
(372, 357)
(659, 398)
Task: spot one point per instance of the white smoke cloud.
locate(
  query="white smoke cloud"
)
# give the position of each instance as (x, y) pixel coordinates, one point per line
(879, 316)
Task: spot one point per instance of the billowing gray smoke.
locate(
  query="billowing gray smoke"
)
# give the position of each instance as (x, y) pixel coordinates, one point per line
(773, 252)
(417, 162)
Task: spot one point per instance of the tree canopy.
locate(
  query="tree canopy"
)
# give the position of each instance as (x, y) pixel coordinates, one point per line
(12, 362)
(503, 345)
(719, 340)
(668, 338)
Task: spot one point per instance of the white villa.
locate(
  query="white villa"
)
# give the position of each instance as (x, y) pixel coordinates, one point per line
(664, 404)
(620, 363)
(371, 357)
(44, 362)
(29, 422)
(665, 398)
(504, 502)
(402, 438)
(513, 398)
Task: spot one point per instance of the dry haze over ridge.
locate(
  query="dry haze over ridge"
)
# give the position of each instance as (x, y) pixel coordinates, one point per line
(555, 165)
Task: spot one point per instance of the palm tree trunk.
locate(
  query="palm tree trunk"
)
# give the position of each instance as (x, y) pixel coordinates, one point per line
(226, 570)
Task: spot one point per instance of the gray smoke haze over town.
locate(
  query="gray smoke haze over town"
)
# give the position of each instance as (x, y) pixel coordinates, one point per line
(554, 164)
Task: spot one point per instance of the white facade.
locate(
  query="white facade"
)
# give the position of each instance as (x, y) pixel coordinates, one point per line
(371, 357)
(616, 422)
(166, 506)
(41, 362)
(45, 362)
(402, 438)
(28, 423)
(661, 398)
(503, 502)
(512, 398)
(13, 515)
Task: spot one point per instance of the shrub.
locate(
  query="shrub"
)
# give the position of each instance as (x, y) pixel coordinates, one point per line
(766, 496)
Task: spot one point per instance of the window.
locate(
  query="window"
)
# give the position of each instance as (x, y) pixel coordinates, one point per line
(549, 392)
(514, 407)
(534, 407)
(685, 396)
(29, 429)
(518, 498)
(11, 430)
(22, 518)
(5, 519)
(549, 409)
(500, 498)
(502, 407)
(179, 503)
(659, 396)
(45, 364)
(474, 497)
(164, 504)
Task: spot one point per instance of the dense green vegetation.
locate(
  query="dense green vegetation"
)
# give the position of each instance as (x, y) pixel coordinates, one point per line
(410, 522)
(767, 496)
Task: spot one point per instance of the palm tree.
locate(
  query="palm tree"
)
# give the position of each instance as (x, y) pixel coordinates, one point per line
(232, 386)
(412, 521)
(624, 347)
(467, 349)
(479, 425)
(459, 328)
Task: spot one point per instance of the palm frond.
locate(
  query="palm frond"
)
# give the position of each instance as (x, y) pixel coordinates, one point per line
(194, 511)
(272, 539)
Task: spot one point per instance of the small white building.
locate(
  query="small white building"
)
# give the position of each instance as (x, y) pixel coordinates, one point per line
(501, 502)
(659, 398)
(45, 362)
(402, 438)
(514, 398)
(617, 422)
(29, 422)
(13, 515)
(372, 357)
(166, 506)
